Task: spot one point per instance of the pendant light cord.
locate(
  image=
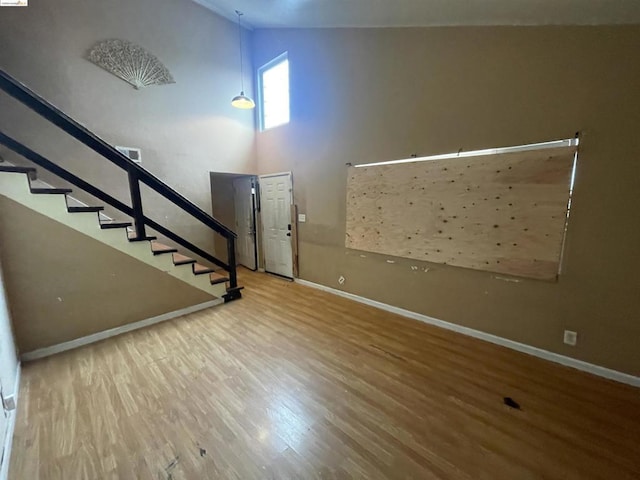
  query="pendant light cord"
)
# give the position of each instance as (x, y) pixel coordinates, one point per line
(239, 13)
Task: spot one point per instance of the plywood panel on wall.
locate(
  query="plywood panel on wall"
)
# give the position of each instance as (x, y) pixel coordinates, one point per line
(502, 213)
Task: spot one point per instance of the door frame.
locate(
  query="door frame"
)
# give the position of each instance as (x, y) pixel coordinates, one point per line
(291, 238)
(254, 213)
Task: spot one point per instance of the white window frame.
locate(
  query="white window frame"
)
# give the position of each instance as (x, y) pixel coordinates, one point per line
(267, 66)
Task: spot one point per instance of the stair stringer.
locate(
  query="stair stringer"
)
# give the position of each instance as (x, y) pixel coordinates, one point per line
(15, 186)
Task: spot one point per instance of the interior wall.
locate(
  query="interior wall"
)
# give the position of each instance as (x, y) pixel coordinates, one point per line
(365, 95)
(65, 285)
(8, 354)
(8, 371)
(185, 129)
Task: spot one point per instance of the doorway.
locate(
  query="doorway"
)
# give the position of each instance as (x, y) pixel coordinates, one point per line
(276, 199)
(244, 190)
(234, 203)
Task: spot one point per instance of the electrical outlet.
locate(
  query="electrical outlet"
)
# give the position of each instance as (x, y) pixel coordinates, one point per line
(341, 280)
(570, 338)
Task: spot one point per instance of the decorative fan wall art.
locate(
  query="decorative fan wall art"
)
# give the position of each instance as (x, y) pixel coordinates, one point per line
(130, 62)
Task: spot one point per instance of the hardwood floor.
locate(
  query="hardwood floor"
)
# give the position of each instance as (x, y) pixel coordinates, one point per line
(295, 383)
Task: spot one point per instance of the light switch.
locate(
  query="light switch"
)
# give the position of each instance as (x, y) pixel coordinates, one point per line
(302, 217)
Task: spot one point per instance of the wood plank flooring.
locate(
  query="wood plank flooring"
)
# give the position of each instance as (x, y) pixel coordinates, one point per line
(295, 383)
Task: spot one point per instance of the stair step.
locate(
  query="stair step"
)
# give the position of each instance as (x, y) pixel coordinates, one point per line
(201, 269)
(158, 248)
(216, 278)
(132, 237)
(50, 191)
(143, 239)
(109, 225)
(84, 209)
(179, 259)
(11, 168)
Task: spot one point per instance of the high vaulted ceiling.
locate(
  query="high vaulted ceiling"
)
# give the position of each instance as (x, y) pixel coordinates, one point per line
(406, 13)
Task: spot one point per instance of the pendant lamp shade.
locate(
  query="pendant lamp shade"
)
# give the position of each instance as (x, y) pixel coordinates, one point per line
(243, 102)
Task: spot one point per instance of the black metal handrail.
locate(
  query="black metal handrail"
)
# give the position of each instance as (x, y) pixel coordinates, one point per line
(136, 174)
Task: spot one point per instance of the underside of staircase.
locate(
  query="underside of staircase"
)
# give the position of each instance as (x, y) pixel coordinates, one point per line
(15, 184)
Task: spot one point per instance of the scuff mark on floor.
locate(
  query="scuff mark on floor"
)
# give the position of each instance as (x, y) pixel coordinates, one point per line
(388, 353)
(169, 468)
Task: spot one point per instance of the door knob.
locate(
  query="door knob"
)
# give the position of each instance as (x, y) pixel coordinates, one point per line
(288, 234)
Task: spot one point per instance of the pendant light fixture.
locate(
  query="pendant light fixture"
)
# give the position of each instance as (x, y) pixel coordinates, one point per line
(241, 101)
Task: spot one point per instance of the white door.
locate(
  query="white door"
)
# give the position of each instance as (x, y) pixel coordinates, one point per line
(243, 192)
(276, 197)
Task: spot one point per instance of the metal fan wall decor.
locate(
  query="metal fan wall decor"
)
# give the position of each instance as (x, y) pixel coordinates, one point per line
(130, 62)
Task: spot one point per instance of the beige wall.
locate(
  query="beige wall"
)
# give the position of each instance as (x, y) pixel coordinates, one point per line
(363, 95)
(185, 130)
(64, 285)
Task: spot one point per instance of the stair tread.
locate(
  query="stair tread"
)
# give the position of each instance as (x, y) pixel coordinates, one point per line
(157, 248)
(84, 209)
(15, 169)
(114, 224)
(239, 287)
(51, 190)
(216, 278)
(132, 237)
(179, 259)
(200, 269)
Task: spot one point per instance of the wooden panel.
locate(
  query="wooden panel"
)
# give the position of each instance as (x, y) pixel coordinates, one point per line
(502, 213)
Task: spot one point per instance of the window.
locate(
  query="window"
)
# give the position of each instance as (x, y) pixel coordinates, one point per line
(273, 85)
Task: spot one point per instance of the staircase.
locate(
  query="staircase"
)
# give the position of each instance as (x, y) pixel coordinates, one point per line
(129, 237)
(15, 183)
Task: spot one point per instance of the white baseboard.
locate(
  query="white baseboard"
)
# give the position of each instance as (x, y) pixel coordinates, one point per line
(520, 347)
(8, 440)
(96, 337)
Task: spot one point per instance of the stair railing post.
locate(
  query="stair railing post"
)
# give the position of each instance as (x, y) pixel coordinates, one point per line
(136, 203)
(231, 260)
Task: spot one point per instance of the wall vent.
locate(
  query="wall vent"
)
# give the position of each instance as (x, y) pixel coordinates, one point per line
(132, 153)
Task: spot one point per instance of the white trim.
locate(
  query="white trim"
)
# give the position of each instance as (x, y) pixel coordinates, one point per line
(8, 440)
(569, 142)
(96, 337)
(520, 347)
